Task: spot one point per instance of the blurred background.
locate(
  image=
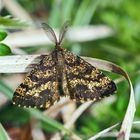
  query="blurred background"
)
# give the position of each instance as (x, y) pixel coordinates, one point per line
(107, 30)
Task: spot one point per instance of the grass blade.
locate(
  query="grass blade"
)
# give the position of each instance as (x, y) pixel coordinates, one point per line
(103, 132)
(3, 134)
(37, 114)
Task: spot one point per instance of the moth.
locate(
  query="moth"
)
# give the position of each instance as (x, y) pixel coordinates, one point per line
(62, 74)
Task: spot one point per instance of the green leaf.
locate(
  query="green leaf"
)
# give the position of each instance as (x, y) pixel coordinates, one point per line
(80, 12)
(86, 10)
(67, 9)
(2, 35)
(55, 14)
(3, 134)
(9, 22)
(46, 127)
(4, 49)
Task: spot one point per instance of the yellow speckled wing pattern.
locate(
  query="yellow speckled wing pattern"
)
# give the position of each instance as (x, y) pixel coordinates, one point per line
(61, 74)
(85, 82)
(40, 87)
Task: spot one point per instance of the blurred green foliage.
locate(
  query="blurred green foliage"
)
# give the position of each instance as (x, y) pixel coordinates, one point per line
(4, 49)
(2, 35)
(5, 23)
(12, 23)
(123, 48)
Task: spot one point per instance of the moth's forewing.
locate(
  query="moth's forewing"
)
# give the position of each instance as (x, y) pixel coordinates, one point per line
(85, 82)
(40, 87)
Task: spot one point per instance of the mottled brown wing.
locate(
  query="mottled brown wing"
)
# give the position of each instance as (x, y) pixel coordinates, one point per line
(85, 82)
(40, 87)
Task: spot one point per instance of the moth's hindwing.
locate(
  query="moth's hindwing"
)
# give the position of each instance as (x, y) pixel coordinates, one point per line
(85, 82)
(40, 87)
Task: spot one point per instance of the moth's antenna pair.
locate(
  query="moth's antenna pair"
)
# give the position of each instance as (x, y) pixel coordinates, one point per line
(51, 34)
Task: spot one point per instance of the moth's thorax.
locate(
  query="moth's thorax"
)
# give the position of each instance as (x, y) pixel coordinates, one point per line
(60, 58)
(58, 46)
